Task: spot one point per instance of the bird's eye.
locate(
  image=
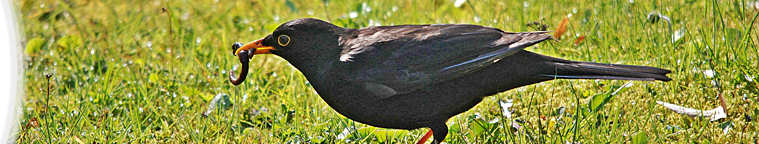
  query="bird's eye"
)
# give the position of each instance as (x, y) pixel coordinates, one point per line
(283, 40)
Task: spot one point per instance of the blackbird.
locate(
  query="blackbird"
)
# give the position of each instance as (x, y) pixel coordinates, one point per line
(419, 76)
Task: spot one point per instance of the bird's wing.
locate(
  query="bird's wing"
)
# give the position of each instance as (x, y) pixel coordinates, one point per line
(399, 59)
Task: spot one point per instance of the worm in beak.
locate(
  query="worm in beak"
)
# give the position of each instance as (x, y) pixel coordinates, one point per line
(244, 57)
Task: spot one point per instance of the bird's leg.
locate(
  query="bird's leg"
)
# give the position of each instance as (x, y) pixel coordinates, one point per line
(425, 137)
(244, 60)
(437, 130)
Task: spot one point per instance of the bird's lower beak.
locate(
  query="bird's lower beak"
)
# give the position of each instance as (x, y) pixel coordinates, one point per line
(256, 46)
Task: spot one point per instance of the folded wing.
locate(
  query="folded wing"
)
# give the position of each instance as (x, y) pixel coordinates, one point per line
(393, 60)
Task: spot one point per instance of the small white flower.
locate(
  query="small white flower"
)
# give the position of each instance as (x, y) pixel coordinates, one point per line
(353, 14)
(709, 73)
(505, 105)
(459, 3)
(495, 120)
(678, 35)
(343, 134)
(749, 78)
(366, 7)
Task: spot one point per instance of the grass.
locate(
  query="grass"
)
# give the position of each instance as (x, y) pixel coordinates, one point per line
(144, 71)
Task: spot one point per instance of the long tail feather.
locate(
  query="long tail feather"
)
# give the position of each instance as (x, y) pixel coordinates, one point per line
(587, 70)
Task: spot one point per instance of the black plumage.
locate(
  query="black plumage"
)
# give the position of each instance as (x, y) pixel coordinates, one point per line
(415, 76)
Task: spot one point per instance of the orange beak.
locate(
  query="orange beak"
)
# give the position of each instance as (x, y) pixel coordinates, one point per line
(257, 46)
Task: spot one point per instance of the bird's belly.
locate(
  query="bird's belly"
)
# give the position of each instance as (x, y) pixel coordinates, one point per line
(407, 111)
(375, 112)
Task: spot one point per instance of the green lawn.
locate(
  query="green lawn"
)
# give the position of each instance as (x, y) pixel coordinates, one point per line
(145, 71)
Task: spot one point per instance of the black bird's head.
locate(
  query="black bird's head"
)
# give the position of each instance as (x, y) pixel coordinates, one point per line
(305, 43)
(299, 38)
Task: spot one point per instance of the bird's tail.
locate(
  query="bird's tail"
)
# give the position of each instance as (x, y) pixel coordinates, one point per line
(564, 69)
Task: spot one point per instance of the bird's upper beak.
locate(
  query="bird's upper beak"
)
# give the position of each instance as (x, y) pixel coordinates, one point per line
(257, 47)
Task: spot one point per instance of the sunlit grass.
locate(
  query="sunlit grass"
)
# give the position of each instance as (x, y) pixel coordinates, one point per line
(145, 71)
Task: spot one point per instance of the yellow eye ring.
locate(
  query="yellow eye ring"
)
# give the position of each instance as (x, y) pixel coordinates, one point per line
(283, 40)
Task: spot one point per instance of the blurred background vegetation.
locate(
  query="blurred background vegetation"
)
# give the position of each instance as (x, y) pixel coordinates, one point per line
(147, 71)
